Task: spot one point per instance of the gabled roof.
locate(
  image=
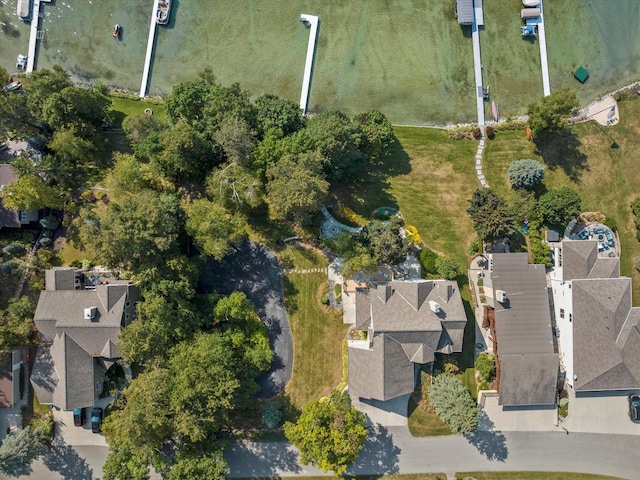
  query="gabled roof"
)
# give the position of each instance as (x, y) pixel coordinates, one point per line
(529, 379)
(606, 335)
(580, 260)
(60, 278)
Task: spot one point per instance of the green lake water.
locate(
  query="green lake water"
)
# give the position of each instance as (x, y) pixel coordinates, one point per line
(408, 58)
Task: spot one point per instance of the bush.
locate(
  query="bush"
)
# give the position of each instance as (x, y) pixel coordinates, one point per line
(50, 222)
(611, 222)
(486, 366)
(526, 173)
(10, 266)
(324, 300)
(14, 249)
(76, 264)
(477, 133)
(451, 368)
(427, 259)
(489, 132)
(475, 247)
(447, 268)
(483, 385)
(635, 206)
(45, 241)
(563, 402)
(272, 413)
(412, 235)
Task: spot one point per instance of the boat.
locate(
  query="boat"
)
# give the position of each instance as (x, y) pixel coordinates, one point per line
(21, 61)
(163, 12)
(12, 87)
(116, 30)
(530, 3)
(24, 9)
(496, 112)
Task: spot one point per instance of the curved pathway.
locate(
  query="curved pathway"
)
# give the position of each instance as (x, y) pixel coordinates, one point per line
(479, 152)
(253, 269)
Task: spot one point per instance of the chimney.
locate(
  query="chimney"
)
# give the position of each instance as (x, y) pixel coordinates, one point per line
(90, 313)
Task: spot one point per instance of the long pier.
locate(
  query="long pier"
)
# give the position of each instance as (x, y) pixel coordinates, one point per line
(544, 63)
(312, 21)
(34, 33)
(477, 61)
(147, 61)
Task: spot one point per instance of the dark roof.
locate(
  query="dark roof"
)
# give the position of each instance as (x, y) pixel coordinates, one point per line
(60, 278)
(606, 335)
(382, 372)
(464, 11)
(528, 379)
(8, 217)
(523, 328)
(580, 260)
(6, 380)
(553, 236)
(404, 330)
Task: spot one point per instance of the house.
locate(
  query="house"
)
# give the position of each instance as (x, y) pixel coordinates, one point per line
(518, 314)
(11, 218)
(406, 323)
(79, 331)
(599, 328)
(11, 364)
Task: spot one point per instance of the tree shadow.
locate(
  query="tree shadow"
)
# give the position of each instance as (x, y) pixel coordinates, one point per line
(562, 150)
(489, 442)
(63, 459)
(261, 460)
(379, 454)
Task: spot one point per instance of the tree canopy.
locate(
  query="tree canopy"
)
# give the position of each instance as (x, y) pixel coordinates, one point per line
(490, 214)
(526, 173)
(550, 114)
(453, 404)
(329, 433)
(31, 192)
(558, 207)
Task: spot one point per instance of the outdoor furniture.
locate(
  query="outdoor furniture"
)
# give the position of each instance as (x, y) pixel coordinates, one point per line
(581, 74)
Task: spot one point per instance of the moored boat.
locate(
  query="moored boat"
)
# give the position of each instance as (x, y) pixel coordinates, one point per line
(496, 112)
(24, 9)
(163, 12)
(116, 30)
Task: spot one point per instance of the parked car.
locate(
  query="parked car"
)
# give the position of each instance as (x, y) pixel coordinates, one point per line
(610, 237)
(79, 417)
(96, 419)
(634, 408)
(599, 230)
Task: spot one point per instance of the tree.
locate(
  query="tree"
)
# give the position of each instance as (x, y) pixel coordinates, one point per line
(329, 433)
(387, 246)
(558, 207)
(186, 466)
(4, 76)
(73, 159)
(123, 464)
(81, 108)
(237, 140)
(213, 228)
(235, 187)
(144, 133)
(526, 173)
(453, 404)
(447, 268)
(486, 366)
(490, 214)
(550, 115)
(185, 153)
(275, 112)
(377, 132)
(338, 139)
(188, 100)
(227, 102)
(296, 187)
(20, 448)
(30, 192)
(128, 175)
(16, 324)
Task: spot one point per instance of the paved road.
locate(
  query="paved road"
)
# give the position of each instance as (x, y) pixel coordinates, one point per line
(393, 450)
(253, 269)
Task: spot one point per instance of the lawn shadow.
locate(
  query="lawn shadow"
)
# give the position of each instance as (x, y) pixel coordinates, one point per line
(489, 442)
(261, 460)
(379, 454)
(562, 150)
(63, 459)
(369, 187)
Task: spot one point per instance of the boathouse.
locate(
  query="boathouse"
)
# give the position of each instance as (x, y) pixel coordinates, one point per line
(464, 12)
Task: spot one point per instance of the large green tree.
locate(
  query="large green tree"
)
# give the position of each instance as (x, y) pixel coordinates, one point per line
(490, 214)
(31, 192)
(185, 153)
(81, 108)
(558, 207)
(525, 173)
(377, 133)
(16, 324)
(296, 187)
(453, 404)
(329, 433)
(275, 112)
(20, 448)
(551, 113)
(387, 246)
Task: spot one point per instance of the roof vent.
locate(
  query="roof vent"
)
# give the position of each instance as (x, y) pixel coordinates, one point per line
(90, 313)
(434, 306)
(501, 296)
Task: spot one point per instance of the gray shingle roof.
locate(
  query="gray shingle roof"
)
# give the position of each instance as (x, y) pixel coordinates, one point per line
(523, 330)
(528, 379)
(60, 278)
(405, 330)
(580, 260)
(606, 339)
(464, 9)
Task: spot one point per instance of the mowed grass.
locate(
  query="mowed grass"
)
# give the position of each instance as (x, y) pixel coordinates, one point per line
(123, 107)
(317, 333)
(607, 179)
(409, 476)
(533, 476)
(429, 178)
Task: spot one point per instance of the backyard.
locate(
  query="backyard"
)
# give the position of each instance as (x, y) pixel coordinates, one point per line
(585, 162)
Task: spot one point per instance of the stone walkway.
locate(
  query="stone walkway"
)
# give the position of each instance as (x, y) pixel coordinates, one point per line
(305, 270)
(479, 152)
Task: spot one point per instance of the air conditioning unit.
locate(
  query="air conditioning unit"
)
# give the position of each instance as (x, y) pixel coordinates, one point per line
(434, 306)
(501, 296)
(90, 313)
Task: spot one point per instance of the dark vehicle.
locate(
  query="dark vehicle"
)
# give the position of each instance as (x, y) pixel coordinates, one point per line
(78, 417)
(96, 419)
(634, 408)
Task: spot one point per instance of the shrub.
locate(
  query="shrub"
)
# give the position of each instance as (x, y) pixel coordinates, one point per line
(480, 282)
(447, 268)
(363, 334)
(610, 222)
(428, 260)
(272, 413)
(10, 266)
(412, 235)
(477, 133)
(14, 249)
(489, 132)
(324, 300)
(475, 247)
(451, 368)
(526, 173)
(483, 385)
(45, 241)
(486, 366)
(563, 402)
(50, 222)
(86, 264)
(76, 264)
(635, 206)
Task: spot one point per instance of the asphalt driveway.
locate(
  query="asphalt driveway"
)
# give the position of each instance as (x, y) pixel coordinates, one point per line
(254, 270)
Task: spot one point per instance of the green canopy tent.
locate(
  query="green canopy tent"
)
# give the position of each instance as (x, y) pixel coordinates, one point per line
(581, 74)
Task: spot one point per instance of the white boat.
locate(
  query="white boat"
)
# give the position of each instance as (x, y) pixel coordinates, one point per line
(530, 3)
(24, 9)
(163, 12)
(21, 61)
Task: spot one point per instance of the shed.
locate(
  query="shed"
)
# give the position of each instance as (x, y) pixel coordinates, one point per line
(464, 12)
(553, 236)
(527, 13)
(581, 74)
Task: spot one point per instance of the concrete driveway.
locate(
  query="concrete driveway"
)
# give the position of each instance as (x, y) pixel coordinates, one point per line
(600, 414)
(253, 269)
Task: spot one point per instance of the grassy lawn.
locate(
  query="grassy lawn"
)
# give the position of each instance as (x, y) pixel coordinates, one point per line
(606, 178)
(317, 333)
(412, 476)
(532, 476)
(123, 107)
